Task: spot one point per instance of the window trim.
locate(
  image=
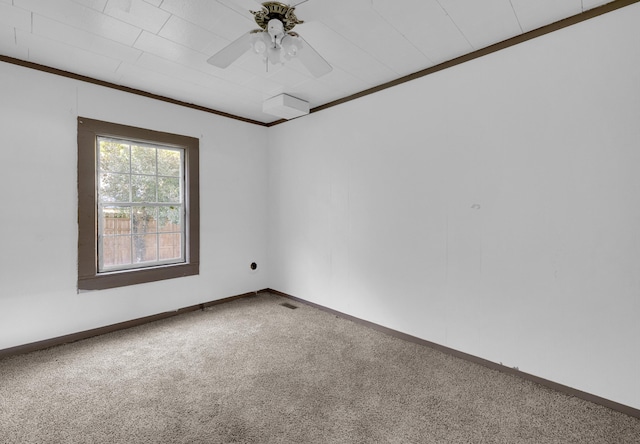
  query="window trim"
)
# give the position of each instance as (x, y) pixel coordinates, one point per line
(88, 276)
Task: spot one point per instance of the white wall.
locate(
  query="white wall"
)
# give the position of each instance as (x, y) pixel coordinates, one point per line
(492, 207)
(38, 225)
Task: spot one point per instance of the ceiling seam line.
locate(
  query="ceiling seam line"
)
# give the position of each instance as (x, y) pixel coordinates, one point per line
(516, 15)
(456, 25)
(363, 50)
(400, 32)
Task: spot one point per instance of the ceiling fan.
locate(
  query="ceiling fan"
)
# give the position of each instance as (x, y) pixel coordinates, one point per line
(274, 39)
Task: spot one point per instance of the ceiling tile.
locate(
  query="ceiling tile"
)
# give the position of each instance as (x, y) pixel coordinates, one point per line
(188, 34)
(246, 95)
(98, 5)
(138, 77)
(534, 14)
(79, 38)
(211, 15)
(231, 98)
(483, 23)
(264, 86)
(233, 74)
(291, 74)
(590, 4)
(316, 93)
(7, 36)
(8, 44)
(74, 14)
(58, 55)
(382, 41)
(164, 83)
(155, 3)
(14, 17)
(137, 13)
(427, 26)
(169, 50)
(151, 62)
(343, 82)
(179, 71)
(340, 52)
(322, 9)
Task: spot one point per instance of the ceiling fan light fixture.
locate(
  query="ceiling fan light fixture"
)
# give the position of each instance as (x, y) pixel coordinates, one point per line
(259, 46)
(290, 46)
(274, 55)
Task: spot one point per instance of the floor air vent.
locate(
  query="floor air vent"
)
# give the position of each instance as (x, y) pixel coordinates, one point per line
(288, 305)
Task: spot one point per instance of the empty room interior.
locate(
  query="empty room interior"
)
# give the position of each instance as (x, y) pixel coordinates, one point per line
(463, 175)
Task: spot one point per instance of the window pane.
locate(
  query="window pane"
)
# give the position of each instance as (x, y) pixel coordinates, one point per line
(116, 220)
(143, 160)
(170, 246)
(114, 156)
(169, 219)
(116, 250)
(114, 187)
(169, 162)
(145, 248)
(144, 220)
(143, 189)
(168, 189)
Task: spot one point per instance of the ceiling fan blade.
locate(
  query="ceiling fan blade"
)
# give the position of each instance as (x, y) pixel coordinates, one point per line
(242, 7)
(310, 58)
(232, 52)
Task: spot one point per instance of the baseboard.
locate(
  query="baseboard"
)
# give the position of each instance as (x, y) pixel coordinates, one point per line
(627, 410)
(66, 339)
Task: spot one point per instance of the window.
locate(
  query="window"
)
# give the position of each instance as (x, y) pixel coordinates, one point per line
(138, 209)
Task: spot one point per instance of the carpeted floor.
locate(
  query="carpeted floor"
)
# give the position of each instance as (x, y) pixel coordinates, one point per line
(254, 371)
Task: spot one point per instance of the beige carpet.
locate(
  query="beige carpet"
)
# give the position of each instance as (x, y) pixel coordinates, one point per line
(254, 371)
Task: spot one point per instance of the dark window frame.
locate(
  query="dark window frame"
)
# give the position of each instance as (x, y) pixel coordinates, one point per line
(88, 276)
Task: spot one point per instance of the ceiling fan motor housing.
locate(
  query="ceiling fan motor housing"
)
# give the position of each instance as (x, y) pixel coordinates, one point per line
(279, 11)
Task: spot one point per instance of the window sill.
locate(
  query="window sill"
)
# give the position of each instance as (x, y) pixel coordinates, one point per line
(139, 276)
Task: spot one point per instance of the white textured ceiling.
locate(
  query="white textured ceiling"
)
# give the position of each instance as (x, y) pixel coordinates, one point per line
(161, 46)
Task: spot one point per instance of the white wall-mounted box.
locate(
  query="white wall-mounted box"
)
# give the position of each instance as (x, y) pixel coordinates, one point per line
(285, 106)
